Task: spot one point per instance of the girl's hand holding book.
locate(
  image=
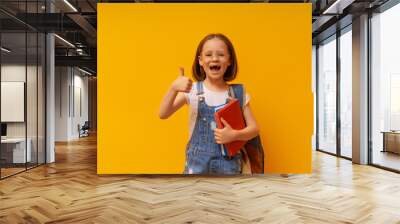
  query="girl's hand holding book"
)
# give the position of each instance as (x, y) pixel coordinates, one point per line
(182, 83)
(226, 134)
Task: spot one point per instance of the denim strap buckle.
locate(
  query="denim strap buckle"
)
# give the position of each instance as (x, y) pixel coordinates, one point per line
(228, 157)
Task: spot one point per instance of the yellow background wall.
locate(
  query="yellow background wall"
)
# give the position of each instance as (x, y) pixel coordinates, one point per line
(141, 46)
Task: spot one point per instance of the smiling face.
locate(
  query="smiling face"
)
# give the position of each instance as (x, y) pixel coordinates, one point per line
(215, 58)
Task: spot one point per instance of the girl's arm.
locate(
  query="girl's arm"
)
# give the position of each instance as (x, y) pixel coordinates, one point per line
(175, 97)
(227, 134)
(251, 130)
(171, 102)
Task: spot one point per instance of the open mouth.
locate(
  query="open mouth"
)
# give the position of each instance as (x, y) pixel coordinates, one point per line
(215, 68)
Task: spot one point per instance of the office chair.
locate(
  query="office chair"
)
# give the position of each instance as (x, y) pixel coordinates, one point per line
(84, 130)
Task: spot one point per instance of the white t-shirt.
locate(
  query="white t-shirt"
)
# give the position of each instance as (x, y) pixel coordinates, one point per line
(212, 98)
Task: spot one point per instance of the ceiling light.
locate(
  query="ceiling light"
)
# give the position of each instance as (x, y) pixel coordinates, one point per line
(65, 41)
(70, 5)
(5, 50)
(79, 51)
(86, 72)
(331, 7)
(337, 7)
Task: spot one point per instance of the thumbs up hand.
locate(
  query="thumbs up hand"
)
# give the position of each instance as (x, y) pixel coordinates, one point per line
(182, 83)
(225, 134)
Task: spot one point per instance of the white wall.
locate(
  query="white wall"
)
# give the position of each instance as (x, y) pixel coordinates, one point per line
(81, 82)
(314, 91)
(62, 78)
(33, 127)
(71, 94)
(12, 101)
(16, 73)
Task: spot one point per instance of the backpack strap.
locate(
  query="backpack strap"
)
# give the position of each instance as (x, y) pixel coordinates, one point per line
(199, 88)
(237, 91)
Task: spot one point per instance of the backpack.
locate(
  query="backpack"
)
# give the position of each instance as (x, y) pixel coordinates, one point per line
(252, 151)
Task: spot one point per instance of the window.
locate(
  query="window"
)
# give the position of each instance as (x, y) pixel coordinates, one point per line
(327, 95)
(385, 87)
(346, 93)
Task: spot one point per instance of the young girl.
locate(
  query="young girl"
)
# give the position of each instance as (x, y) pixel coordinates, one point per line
(214, 65)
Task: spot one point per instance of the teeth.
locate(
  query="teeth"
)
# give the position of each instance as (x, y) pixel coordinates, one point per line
(215, 67)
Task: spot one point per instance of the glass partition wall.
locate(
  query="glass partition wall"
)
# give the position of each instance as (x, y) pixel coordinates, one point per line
(327, 95)
(385, 89)
(22, 88)
(334, 104)
(334, 91)
(345, 61)
(13, 109)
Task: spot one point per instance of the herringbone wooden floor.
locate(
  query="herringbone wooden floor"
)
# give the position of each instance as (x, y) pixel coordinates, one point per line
(69, 191)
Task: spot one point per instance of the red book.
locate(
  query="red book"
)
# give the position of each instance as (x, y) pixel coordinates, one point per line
(232, 113)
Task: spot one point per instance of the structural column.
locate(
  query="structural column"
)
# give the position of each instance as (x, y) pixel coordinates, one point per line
(360, 90)
(50, 92)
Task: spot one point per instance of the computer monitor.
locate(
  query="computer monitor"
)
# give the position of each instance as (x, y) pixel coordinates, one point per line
(3, 129)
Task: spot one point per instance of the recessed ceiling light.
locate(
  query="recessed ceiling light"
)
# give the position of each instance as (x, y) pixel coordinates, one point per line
(64, 40)
(70, 5)
(337, 7)
(84, 71)
(5, 50)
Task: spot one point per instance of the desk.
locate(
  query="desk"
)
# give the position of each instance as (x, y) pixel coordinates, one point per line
(391, 141)
(15, 148)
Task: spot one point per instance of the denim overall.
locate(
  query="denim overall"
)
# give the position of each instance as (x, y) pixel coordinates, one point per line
(203, 154)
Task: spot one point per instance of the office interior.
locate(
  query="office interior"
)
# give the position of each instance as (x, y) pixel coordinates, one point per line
(354, 67)
(48, 77)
